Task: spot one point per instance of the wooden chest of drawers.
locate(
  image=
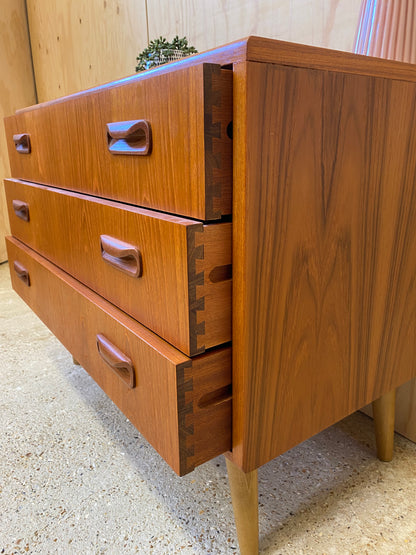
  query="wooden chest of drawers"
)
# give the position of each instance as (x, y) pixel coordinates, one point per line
(160, 141)
(120, 207)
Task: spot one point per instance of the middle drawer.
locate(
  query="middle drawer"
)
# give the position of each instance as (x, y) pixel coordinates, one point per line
(171, 274)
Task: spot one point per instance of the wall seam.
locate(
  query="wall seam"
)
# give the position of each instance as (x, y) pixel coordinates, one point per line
(147, 21)
(31, 52)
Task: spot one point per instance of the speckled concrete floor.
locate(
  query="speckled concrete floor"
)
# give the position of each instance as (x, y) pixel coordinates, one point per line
(76, 477)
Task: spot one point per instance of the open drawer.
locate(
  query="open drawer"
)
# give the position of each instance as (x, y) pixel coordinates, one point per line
(171, 274)
(181, 405)
(160, 139)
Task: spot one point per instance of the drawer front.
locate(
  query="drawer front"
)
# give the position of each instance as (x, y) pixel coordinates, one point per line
(158, 140)
(172, 275)
(182, 406)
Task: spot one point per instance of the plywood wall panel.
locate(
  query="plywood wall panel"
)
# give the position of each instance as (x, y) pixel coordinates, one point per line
(78, 44)
(210, 23)
(17, 87)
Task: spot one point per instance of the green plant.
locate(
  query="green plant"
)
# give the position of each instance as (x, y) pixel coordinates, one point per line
(160, 51)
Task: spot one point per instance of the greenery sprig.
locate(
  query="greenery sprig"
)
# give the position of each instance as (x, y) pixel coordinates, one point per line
(160, 51)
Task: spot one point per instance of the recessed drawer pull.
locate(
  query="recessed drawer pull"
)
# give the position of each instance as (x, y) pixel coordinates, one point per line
(121, 255)
(130, 137)
(116, 360)
(21, 272)
(21, 209)
(22, 143)
(217, 397)
(221, 273)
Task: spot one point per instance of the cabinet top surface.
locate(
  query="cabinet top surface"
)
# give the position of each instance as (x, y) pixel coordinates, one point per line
(264, 50)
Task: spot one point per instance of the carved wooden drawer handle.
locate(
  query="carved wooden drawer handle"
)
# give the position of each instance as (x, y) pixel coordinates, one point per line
(116, 360)
(22, 143)
(121, 255)
(21, 272)
(130, 137)
(21, 209)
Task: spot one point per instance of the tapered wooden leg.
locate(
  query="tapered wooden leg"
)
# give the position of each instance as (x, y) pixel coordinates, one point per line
(244, 495)
(383, 413)
(74, 360)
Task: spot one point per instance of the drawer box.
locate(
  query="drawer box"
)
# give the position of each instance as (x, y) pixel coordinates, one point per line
(181, 405)
(157, 139)
(183, 290)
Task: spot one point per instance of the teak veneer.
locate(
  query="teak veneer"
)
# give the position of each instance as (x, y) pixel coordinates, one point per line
(190, 397)
(183, 292)
(316, 151)
(187, 167)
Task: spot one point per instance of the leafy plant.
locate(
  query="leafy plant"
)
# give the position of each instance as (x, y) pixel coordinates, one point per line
(160, 51)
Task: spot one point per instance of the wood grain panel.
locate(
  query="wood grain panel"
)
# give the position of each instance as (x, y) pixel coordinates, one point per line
(17, 87)
(165, 405)
(289, 54)
(189, 170)
(211, 23)
(77, 45)
(175, 296)
(214, 314)
(324, 261)
(387, 29)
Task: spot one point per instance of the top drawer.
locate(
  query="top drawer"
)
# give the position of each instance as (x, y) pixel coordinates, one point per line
(158, 139)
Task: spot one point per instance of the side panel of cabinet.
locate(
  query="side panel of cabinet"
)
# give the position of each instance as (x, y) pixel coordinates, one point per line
(324, 262)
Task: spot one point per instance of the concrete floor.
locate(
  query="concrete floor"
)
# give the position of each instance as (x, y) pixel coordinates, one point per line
(77, 477)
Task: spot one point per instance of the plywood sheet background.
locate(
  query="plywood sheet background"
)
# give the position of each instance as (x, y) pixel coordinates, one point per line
(210, 23)
(77, 44)
(17, 87)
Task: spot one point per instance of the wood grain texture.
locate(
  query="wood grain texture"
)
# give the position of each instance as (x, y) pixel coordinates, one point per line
(324, 307)
(212, 404)
(78, 44)
(189, 169)
(388, 30)
(17, 87)
(174, 296)
(164, 403)
(211, 23)
(384, 412)
(212, 283)
(4, 226)
(244, 495)
(297, 55)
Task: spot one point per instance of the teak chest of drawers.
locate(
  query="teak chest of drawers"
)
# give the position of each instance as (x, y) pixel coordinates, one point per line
(243, 217)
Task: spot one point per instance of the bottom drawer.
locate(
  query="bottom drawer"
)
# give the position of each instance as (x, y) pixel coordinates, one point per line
(181, 405)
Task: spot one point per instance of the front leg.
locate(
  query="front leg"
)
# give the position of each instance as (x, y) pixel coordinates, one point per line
(244, 495)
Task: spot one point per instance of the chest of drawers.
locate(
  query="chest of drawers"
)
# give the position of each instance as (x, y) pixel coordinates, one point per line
(166, 273)
(261, 193)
